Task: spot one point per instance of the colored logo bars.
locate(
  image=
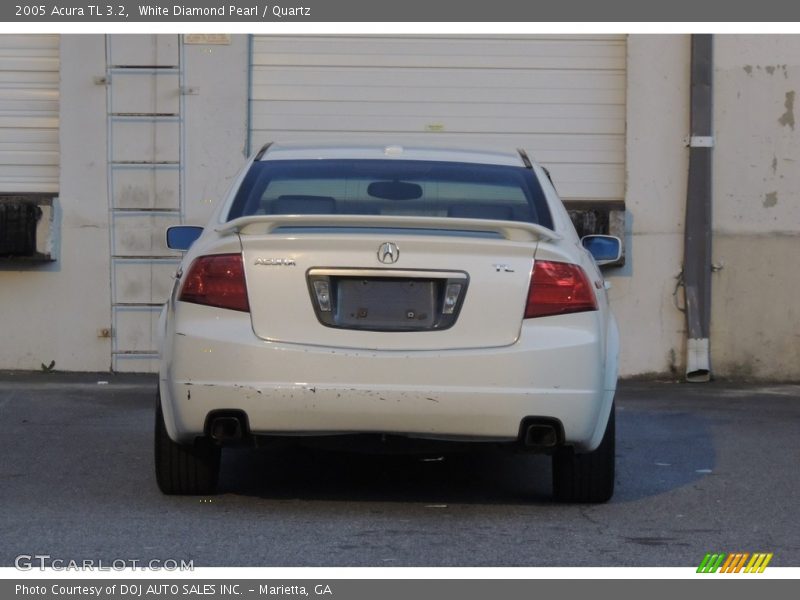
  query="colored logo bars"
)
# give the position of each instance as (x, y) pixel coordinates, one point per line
(734, 563)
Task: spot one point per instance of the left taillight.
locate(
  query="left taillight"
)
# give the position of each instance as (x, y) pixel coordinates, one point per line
(558, 288)
(216, 280)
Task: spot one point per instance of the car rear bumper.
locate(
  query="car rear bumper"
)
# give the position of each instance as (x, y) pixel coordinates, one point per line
(555, 369)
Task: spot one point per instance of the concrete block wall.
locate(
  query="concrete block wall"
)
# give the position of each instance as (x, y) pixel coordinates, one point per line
(55, 312)
(62, 312)
(651, 328)
(755, 323)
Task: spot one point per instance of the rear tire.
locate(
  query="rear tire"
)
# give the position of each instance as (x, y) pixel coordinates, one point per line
(586, 477)
(184, 469)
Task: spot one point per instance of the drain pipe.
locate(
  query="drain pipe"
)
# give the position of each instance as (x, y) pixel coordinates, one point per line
(697, 234)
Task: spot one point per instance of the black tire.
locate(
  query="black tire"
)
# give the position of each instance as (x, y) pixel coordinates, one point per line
(184, 469)
(586, 477)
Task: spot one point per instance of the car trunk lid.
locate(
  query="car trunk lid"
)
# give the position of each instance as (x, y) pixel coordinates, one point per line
(387, 283)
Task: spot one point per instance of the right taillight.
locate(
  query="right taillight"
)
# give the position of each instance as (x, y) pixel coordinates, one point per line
(558, 288)
(216, 280)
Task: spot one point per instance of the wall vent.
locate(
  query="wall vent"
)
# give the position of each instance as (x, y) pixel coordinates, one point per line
(26, 228)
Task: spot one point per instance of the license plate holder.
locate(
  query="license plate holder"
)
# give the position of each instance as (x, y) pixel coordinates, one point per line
(384, 303)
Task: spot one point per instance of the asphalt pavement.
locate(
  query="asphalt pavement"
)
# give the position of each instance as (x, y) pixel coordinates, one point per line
(700, 468)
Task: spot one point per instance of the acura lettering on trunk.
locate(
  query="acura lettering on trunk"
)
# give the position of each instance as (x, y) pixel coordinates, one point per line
(275, 262)
(490, 327)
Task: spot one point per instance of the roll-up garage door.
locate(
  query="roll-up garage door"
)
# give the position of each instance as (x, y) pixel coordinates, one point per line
(29, 78)
(560, 97)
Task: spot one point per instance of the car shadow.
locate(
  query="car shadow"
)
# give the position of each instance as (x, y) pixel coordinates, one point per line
(308, 473)
(657, 451)
(660, 450)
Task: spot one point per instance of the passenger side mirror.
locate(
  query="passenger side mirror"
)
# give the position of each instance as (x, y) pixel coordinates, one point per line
(181, 237)
(606, 249)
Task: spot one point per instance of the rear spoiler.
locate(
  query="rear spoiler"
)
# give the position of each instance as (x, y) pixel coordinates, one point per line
(516, 231)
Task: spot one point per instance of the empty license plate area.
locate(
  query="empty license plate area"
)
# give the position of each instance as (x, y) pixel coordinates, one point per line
(386, 301)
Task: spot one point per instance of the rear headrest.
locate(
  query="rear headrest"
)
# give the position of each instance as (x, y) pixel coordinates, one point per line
(292, 204)
(501, 212)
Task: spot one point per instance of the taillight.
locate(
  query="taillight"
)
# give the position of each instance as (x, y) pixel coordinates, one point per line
(558, 288)
(216, 280)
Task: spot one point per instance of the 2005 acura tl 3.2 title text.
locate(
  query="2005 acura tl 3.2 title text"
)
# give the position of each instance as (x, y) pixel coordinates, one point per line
(156, 10)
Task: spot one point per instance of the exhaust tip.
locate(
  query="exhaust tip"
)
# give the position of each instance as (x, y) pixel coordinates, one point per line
(541, 436)
(541, 433)
(223, 429)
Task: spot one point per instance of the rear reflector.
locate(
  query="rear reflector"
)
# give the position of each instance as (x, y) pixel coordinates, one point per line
(216, 280)
(558, 288)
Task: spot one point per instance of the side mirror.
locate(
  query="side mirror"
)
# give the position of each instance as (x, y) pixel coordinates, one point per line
(181, 237)
(606, 249)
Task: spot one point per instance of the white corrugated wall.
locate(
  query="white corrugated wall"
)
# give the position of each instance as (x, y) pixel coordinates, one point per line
(560, 97)
(29, 90)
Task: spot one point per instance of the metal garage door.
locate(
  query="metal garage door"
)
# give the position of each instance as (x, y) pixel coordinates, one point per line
(29, 113)
(560, 97)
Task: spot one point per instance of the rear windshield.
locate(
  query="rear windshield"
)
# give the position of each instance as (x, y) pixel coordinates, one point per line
(391, 187)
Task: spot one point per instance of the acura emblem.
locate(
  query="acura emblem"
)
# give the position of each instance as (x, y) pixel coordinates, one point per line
(388, 253)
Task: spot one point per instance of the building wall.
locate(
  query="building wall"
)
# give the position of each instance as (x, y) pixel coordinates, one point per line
(651, 328)
(177, 112)
(755, 322)
(57, 312)
(54, 312)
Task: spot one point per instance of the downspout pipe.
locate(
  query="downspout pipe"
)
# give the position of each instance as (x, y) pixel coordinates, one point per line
(697, 233)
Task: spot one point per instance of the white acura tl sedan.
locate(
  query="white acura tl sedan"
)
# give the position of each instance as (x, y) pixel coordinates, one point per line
(423, 294)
